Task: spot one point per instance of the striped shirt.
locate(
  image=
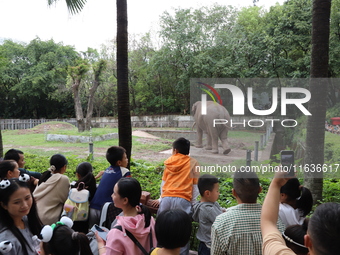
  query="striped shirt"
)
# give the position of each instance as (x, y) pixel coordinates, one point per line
(238, 231)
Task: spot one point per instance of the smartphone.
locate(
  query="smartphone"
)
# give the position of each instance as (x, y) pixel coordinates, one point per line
(287, 162)
(102, 231)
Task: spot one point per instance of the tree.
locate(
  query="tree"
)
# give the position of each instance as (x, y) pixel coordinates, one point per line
(318, 87)
(124, 116)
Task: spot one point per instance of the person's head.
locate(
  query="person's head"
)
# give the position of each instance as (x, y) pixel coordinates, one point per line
(323, 232)
(58, 164)
(294, 238)
(9, 169)
(173, 229)
(297, 196)
(16, 155)
(83, 169)
(126, 194)
(116, 156)
(208, 186)
(246, 187)
(66, 241)
(181, 145)
(16, 201)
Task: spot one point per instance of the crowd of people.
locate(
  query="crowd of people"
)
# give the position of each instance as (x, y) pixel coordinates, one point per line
(32, 221)
(335, 129)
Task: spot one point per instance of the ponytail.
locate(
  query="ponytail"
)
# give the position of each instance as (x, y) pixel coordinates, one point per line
(147, 215)
(305, 202)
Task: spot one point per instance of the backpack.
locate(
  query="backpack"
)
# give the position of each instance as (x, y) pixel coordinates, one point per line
(76, 206)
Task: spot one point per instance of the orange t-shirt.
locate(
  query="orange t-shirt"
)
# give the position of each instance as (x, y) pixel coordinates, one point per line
(179, 176)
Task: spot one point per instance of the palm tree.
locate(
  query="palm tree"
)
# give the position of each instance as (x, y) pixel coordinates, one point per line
(124, 117)
(318, 88)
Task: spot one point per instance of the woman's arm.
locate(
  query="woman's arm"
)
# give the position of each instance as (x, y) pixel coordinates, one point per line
(270, 208)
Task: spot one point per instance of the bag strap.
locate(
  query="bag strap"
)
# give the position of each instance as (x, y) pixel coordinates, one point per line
(133, 238)
(103, 215)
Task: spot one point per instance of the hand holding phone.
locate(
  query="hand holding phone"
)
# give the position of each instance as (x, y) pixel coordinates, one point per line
(102, 231)
(287, 162)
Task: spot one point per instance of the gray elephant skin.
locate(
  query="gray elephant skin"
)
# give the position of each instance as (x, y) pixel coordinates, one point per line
(204, 124)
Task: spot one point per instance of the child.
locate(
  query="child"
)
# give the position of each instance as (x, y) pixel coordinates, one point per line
(296, 203)
(52, 190)
(135, 219)
(173, 230)
(179, 181)
(64, 240)
(84, 174)
(19, 220)
(206, 211)
(294, 237)
(116, 156)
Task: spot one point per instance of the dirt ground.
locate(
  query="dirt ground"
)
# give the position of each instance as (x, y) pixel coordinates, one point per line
(202, 155)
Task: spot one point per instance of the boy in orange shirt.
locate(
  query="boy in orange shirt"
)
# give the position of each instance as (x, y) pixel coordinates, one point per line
(179, 182)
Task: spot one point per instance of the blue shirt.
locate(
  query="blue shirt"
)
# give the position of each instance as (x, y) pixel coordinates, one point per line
(105, 188)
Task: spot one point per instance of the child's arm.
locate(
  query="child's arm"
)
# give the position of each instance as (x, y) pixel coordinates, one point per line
(195, 194)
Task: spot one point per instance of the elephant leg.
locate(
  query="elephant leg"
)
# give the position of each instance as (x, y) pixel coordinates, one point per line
(208, 146)
(224, 140)
(212, 139)
(199, 134)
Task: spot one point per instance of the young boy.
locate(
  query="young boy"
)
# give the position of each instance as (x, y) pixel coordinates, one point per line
(206, 211)
(238, 231)
(116, 156)
(179, 181)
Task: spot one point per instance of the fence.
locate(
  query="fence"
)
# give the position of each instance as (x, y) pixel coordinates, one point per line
(177, 121)
(13, 124)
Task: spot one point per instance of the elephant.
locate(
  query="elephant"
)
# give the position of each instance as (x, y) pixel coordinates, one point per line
(205, 123)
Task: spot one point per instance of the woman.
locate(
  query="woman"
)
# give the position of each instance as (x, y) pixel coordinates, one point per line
(135, 218)
(19, 220)
(52, 190)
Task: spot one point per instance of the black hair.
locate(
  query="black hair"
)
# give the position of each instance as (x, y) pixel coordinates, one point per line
(115, 153)
(173, 228)
(34, 223)
(206, 182)
(182, 145)
(5, 166)
(324, 229)
(130, 188)
(85, 169)
(66, 241)
(13, 154)
(296, 233)
(246, 186)
(57, 162)
(301, 196)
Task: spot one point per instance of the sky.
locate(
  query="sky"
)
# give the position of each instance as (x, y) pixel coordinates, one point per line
(24, 20)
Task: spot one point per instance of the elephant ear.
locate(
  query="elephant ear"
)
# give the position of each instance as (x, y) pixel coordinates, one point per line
(194, 107)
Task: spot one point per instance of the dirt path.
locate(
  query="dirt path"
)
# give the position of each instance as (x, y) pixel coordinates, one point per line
(202, 155)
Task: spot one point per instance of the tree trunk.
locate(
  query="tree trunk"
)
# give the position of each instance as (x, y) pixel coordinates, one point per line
(124, 118)
(97, 72)
(77, 105)
(1, 145)
(318, 88)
